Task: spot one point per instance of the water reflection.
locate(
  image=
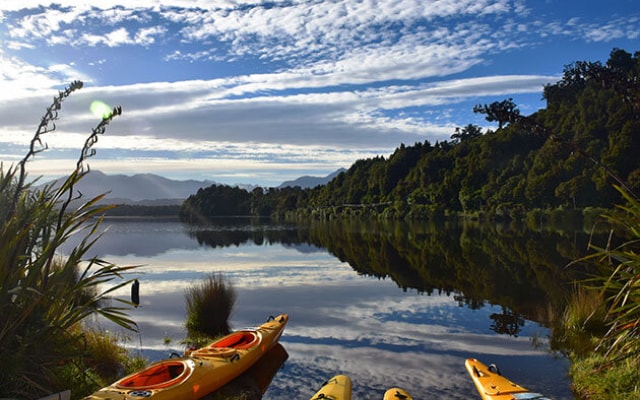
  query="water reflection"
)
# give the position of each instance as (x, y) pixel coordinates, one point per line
(387, 304)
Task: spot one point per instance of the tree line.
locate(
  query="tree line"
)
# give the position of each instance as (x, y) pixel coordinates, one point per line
(567, 155)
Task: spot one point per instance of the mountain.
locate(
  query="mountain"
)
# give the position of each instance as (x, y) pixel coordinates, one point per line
(155, 190)
(147, 189)
(311, 181)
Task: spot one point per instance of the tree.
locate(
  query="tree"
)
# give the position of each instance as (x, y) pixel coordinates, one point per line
(504, 112)
(468, 132)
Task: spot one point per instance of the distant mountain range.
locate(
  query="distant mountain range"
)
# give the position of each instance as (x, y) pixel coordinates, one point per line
(311, 181)
(150, 189)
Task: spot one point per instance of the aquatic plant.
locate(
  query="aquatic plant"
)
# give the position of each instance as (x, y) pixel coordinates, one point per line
(209, 306)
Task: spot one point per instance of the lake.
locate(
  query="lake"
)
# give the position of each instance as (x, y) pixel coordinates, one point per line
(388, 304)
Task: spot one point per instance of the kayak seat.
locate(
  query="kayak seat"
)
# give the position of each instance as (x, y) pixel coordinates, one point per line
(156, 377)
(239, 340)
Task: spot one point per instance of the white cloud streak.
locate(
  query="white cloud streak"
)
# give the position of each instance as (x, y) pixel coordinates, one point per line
(336, 78)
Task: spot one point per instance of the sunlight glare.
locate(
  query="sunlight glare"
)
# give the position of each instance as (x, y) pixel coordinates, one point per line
(100, 109)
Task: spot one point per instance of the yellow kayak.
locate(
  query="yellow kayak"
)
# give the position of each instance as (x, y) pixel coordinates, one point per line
(200, 371)
(336, 388)
(493, 386)
(397, 394)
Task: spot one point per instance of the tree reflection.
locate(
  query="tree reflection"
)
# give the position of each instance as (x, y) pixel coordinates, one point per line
(507, 323)
(520, 269)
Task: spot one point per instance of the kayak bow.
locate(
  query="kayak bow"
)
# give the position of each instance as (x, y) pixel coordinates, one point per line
(493, 386)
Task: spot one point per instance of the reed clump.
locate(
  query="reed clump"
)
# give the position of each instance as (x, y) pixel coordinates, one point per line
(209, 306)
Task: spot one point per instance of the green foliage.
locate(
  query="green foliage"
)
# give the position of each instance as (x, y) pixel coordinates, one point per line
(216, 201)
(468, 132)
(595, 379)
(583, 322)
(209, 306)
(106, 356)
(565, 156)
(620, 283)
(609, 367)
(44, 298)
(503, 112)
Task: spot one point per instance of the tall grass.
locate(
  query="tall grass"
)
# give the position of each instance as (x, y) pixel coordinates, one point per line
(612, 369)
(209, 306)
(43, 297)
(619, 283)
(582, 323)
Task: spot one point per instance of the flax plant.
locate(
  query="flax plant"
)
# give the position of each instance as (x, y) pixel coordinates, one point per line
(619, 283)
(44, 297)
(622, 285)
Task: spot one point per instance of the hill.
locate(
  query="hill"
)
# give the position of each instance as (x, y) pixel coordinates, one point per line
(566, 156)
(307, 182)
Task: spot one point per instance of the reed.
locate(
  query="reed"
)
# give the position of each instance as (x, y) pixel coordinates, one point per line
(209, 305)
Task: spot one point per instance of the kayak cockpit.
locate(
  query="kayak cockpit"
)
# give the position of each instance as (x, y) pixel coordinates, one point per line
(229, 345)
(239, 340)
(158, 376)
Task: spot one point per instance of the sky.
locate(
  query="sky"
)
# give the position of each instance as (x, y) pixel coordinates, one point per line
(261, 92)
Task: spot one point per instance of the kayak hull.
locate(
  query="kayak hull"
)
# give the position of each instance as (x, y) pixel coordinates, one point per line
(491, 385)
(200, 371)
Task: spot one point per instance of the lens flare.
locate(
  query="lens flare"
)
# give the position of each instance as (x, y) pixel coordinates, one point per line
(100, 109)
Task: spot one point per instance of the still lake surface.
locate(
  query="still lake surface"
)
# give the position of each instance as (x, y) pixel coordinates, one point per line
(391, 304)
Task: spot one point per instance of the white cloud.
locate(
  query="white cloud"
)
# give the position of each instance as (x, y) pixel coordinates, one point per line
(338, 78)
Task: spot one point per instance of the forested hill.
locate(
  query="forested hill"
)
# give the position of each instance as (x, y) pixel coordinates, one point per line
(568, 155)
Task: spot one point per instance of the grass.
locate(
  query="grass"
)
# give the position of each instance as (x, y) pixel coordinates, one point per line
(583, 322)
(607, 365)
(595, 378)
(106, 356)
(209, 306)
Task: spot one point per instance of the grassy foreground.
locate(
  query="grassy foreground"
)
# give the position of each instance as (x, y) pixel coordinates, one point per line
(45, 299)
(602, 325)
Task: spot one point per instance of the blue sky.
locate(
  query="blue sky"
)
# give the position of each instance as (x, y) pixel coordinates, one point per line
(259, 92)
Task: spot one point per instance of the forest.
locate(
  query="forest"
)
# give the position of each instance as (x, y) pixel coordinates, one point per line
(568, 155)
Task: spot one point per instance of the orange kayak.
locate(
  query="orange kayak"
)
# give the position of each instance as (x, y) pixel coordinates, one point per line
(200, 371)
(493, 386)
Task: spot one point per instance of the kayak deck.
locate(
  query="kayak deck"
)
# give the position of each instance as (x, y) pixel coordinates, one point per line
(491, 385)
(336, 388)
(396, 393)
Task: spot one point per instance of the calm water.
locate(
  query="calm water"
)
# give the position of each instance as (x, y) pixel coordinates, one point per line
(388, 305)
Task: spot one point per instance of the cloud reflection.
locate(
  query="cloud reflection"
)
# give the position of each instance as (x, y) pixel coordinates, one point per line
(340, 322)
